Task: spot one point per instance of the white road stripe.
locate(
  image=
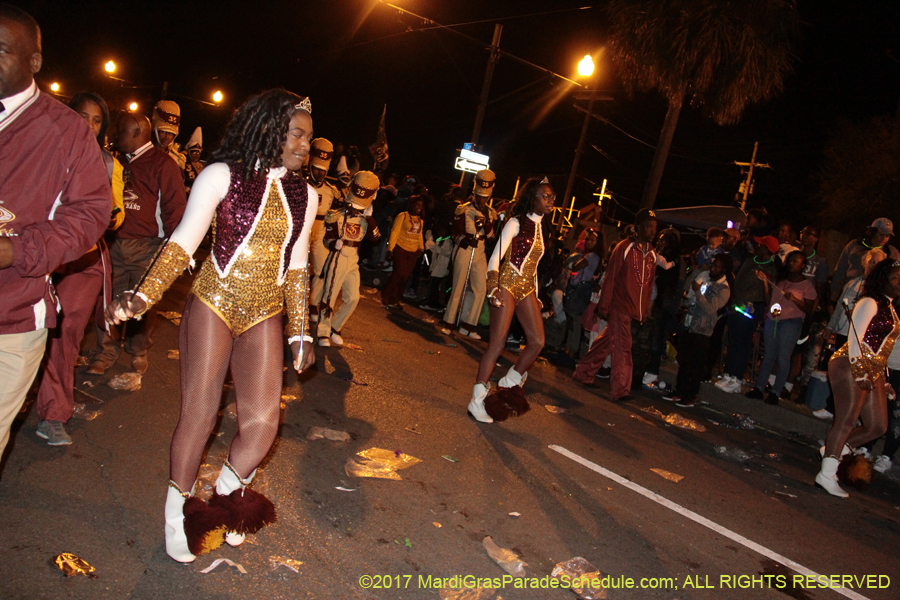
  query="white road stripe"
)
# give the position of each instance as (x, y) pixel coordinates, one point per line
(702, 520)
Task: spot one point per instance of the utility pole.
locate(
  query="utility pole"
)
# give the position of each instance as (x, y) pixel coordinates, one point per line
(485, 89)
(747, 184)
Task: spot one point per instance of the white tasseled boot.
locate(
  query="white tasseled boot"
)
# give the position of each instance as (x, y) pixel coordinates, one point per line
(228, 482)
(476, 406)
(827, 477)
(512, 379)
(844, 451)
(176, 540)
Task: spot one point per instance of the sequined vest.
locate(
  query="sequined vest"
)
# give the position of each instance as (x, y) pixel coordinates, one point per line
(518, 273)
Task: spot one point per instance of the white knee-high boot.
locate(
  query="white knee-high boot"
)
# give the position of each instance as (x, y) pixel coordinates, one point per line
(476, 405)
(176, 540)
(827, 477)
(513, 378)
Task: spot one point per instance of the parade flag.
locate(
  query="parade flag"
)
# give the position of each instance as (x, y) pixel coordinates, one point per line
(379, 148)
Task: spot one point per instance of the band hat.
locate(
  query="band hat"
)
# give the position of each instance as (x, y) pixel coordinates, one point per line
(768, 242)
(484, 183)
(320, 153)
(644, 215)
(167, 116)
(884, 226)
(196, 141)
(363, 188)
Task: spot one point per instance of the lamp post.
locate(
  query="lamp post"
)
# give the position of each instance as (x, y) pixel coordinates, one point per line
(585, 69)
(217, 96)
(110, 67)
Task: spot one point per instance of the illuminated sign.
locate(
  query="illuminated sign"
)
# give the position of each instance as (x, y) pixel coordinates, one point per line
(471, 161)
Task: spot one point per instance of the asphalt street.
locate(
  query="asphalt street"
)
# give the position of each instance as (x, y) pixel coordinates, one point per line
(404, 387)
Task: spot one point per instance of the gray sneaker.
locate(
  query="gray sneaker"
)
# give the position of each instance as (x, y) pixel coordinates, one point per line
(54, 433)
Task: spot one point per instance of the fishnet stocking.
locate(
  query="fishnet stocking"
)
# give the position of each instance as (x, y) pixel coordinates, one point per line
(851, 404)
(256, 357)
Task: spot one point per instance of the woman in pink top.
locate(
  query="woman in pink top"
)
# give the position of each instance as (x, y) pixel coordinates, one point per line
(790, 299)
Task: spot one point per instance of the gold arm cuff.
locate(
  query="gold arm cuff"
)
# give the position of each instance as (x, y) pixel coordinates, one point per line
(296, 298)
(493, 281)
(171, 263)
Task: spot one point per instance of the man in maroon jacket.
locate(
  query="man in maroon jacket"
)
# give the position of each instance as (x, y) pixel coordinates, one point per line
(154, 203)
(624, 296)
(54, 205)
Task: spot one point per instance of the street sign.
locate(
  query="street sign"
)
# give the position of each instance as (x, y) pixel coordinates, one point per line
(471, 161)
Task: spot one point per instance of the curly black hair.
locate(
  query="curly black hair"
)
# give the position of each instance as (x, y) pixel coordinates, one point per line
(876, 283)
(524, 203)
(82, 97)
(257, 131)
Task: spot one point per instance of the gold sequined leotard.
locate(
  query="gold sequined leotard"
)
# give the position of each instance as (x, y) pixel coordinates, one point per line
(250, 293)
(518, 271)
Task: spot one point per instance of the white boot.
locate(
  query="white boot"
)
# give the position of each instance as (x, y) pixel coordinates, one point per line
(827, 477)
(476, 406)
(513, 379)
(228, 482)
(844, 451)
(176, 540)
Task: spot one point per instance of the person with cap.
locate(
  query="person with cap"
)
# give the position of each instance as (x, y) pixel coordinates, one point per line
(473, 222)
(345, 229)
(261, 211)
(748, 307)
(54, 205)
(849, 264)
(512, 291)
(166, 121)
(154, 201)
(320, 153)
(193, 165)
(625, 296)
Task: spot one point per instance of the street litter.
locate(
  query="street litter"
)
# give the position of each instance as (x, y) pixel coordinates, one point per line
(391, 341)
(450, 458)
(556, 410)
(82, 412)
(436, 524)
(684, 423)
(230, 563)
(230, 411)
(413, 431)
(174, 354)
(431, 352)
(641, 419)
(670, 476)
(353, 346)
(73, 565)
(773, 456)
(733, 453)
(171, 315)
(343, 489)
(318, 433)
(288, 397)
(280, 561)
(353, 381)
(467, 593)
(611, 424)
(449, 345)
(87, 384)
(378, 463)
(515, 514)
(653, 411)
(579, 570)
(81, 361)
(129, 382)
(408, 543)
(785, 494)
(507, 559)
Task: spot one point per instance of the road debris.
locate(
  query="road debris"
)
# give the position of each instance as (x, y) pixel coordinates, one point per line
(82, 412)
(318, 433)
(556, 410)
(390, 341)
(467, 593)
(73, 565)
(413, 431)
(230, 563)
(343, 489)
(580, 570)
(733, 453)
(450, 458)
(379, 463)
(515, 514)
(280, 561)
(785, 494)
(507, 559)
(128, 382)
(436, 524)
(667, 475)
(173, 354)
(353, 347)
(683, 422)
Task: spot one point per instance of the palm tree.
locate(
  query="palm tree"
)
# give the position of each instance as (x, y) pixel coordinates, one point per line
(720, 55)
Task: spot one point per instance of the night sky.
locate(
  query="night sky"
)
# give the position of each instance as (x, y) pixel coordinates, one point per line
(353, 56)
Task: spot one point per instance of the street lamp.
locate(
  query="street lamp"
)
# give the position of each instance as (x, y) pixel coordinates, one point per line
(586, 66)
(54, 87)
(133, 106)
(110, 67)
(217, 97)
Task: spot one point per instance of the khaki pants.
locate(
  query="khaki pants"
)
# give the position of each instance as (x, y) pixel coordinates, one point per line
(346, 281)
(474, 299)
(20, 357)
(318, 254)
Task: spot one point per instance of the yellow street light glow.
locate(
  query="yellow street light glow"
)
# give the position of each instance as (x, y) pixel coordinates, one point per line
(133, 106)
(110, 67)
(586, 66)
(217, 97)
(54, 86)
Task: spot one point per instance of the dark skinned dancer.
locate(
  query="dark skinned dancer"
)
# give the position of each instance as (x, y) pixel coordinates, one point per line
(512, 290)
